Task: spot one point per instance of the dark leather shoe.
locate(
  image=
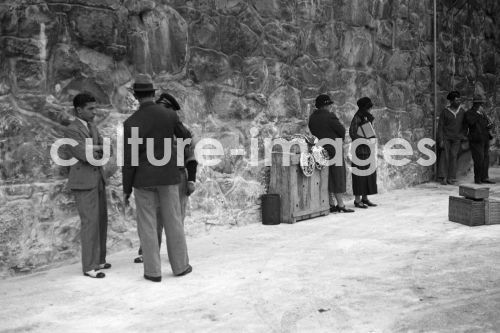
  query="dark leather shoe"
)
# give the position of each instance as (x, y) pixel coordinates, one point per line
(451, 182)
(333, 209)
(344, 210)
(487, 181)
(105, 266)
(368, 203)
(186, 272)
(477, 182)
(138, 260)
(360, 204)
(152, 278)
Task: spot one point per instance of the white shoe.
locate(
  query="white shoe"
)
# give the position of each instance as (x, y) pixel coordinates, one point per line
(95, 274)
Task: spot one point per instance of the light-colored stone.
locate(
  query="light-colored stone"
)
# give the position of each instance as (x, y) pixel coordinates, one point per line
(284, 102)
(357, 48)
(398, 66)
(204, 33)
(208, 65)
(322, 41)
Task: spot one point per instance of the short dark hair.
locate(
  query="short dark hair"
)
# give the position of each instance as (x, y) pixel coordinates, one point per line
(144, 94)
(81, 100)
(452, 95)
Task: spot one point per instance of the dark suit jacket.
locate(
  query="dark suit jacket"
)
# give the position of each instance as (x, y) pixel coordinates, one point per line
(324, 124)
(450, 127)
(156, 122)
(82, 175)
(476, 126)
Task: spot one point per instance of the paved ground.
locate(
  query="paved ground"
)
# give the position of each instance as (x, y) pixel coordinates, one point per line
(400, 267)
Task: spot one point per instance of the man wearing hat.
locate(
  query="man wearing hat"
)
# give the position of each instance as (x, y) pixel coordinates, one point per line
(449, 136)
(187, 171)
(478, 127)
(155, 185)
(326, 125)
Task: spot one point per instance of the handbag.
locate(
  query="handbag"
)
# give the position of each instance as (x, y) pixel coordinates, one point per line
(366, 131)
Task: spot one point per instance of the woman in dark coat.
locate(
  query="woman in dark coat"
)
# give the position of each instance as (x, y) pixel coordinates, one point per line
(362, 186)
(325, 125)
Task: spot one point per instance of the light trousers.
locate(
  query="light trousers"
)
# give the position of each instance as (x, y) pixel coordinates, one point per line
(92, 208)
(166, 197)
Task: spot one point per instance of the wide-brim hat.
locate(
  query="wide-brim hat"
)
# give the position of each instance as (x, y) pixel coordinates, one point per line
(169, 100)
(323, 100)
(143, 83)
(478, 99)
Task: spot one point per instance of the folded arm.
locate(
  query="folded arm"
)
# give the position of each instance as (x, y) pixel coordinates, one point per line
(77, 151)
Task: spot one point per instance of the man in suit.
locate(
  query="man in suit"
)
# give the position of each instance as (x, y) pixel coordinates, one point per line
(155, 179)
(87, 182)
(187, 171)
(478, 127)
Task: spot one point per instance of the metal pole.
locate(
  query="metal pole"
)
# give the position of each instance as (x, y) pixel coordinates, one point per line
(436, 147)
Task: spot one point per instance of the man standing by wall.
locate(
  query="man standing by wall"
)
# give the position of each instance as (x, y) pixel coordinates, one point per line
(450, 135)
(187, 171)
(87, 183)
(478, 128)
(155, 184)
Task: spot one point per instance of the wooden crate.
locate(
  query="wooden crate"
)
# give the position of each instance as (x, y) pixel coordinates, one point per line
(301, 197)
(466, 211)
(492, 211)
(474, 191)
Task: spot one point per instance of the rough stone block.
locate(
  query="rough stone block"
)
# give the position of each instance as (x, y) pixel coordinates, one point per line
(322, 41)
(281, 41)
(306, 71)
(30, 74)
(284, 102)
(204, 33)
(98, 28)
(399, 66)
(357, 48)
(385, 33)
(236, 37)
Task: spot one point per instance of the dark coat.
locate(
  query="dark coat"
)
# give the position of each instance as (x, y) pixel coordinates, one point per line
(324, 124)
(360, 118)
(362, 185)
(476, 125)
(450, 127)
(159, 123)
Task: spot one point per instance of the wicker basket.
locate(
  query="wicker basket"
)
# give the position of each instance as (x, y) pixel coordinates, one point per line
(466, 211)
(474, 191)
(492, 211)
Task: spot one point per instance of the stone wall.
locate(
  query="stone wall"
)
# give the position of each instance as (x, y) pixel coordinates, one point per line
(233, 65)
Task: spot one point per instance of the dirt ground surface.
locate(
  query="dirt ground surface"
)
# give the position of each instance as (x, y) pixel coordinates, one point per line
(398, 267)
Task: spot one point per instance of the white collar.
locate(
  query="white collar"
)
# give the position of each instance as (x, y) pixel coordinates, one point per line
(454, 112)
